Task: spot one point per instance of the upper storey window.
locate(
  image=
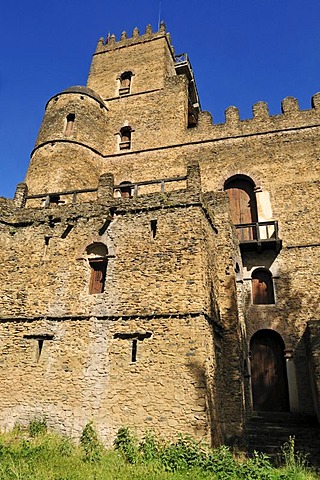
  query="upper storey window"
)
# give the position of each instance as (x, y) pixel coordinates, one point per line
(69, 123)
(262, 287)
(125, 138)
(126, 188)
(125, 83)
(97, 257)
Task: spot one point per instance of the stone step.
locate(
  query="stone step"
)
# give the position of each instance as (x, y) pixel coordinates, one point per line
(268, 432)
(283, 418)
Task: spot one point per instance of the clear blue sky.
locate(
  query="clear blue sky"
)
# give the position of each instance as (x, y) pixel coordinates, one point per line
(241, 52)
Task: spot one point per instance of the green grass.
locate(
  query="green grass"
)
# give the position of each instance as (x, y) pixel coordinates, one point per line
(37, 455)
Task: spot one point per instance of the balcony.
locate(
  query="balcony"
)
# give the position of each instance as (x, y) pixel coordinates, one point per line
(259, 236)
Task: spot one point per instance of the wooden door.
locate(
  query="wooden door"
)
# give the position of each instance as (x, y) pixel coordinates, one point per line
(268, 372)
(243, 205)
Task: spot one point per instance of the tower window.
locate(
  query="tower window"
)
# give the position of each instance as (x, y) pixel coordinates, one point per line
(70, 124)
(126, 189)
(153, 228)
(125, 83)
(98, 275)
(97, 258)
(134, 350)
(125, 138)
(53, 200)
(40, 342)
(262, 287)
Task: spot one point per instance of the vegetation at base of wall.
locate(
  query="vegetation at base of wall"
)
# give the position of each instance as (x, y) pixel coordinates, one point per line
(32, 453)
(187, 454)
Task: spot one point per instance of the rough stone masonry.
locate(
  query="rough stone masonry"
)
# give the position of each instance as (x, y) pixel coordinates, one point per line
(158, 270)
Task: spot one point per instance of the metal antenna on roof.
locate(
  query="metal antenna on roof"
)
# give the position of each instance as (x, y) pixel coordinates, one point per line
(159, 18)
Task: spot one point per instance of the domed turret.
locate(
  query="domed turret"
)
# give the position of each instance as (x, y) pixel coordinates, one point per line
(68, 149)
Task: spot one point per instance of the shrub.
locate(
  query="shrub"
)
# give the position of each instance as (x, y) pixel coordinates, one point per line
(90, 443)
(184, 454)
(37, 427)
(149, 447)
(127, 444)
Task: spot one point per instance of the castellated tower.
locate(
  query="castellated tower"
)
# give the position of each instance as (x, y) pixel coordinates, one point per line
(160, 271)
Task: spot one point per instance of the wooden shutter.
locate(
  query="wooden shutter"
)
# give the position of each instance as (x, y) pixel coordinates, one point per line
(98, 274)
(125, 82)
(262, 287)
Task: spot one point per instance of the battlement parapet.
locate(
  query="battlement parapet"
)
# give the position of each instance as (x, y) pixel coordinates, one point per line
(111, 43)
(291, 116)
(67, 215)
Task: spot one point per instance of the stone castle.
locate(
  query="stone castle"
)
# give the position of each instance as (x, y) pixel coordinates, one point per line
(159, 270)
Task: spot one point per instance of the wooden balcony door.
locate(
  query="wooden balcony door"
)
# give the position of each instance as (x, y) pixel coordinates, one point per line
(268, 372)
(243, 205)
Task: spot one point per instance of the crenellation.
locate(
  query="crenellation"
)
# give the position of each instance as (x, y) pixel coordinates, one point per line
(105, 188)
(315, 101)
(135, 33)
(100, 45)
(20, 195)
(111, 41)
(162, 27)
(232, 116)
(148, 30)
(290, 105)
(260, 111)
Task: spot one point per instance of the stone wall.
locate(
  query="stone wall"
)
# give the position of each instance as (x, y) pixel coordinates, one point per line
(85, 372)
(166, 345)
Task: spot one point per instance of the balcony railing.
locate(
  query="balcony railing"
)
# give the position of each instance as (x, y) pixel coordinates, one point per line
(135, 187)
(132, 189)
(259, 236)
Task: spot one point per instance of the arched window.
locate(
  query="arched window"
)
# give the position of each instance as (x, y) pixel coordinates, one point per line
(243, 204)
(262, 287)
(125, 83)
(69, 123)
(125, 138)
(97, 258)
(126, 189)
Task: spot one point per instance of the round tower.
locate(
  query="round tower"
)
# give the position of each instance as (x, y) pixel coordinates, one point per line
(67, 153)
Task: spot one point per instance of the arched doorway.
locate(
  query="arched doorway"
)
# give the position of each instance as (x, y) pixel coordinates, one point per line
(243, 204)
(268, 372)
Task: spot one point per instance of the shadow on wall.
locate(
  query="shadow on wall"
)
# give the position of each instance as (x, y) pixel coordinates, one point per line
(222, 380)
(254, 261)
(204, 382)
(288, 316)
